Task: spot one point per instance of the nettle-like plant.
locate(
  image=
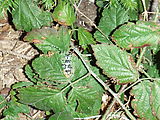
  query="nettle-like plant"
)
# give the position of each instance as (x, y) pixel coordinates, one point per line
(76, 67)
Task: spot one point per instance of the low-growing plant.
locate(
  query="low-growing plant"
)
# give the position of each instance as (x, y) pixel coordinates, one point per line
(77, 68)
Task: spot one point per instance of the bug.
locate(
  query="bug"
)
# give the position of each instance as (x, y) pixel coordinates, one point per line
(67, 65)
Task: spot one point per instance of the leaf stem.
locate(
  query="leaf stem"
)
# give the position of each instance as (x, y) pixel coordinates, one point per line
(134, 84)
(86, 75)
(104, 85)
(140, 57)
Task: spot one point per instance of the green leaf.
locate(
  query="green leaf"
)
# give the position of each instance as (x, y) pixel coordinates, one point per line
(4, 6)
(116, 63)
(153, 71)
(3, 102)
(49, 39)
(111, 18)
(49, 68)
(14, 108)
(141, 103)
(27, 15)
(21, 84)
(85, 38)
(130, 4)
(137, 35)
(61, 116)
(42, 98)
(133, 15)
(8, 117)
(64, 13)
(88, 100)
(48, 4)
(155, 98)
(30, 74)
(52, 71)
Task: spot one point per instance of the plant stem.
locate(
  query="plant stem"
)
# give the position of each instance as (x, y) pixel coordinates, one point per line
(104, 85)
(145, 10)
(140, 57)
(113, 102)
(75, 82)
(134, 84)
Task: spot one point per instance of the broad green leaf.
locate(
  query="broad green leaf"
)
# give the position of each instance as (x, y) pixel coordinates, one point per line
(61, 116)
(88, 100)
(42, 98)
(27, 15)
(111, 18)
(14, 108)
(49, 39)
(137, 35)
(64, 13)
(141, 103)
(92, 86)
(116, 63)
(85, 38)
(155, 98)
(49, 68)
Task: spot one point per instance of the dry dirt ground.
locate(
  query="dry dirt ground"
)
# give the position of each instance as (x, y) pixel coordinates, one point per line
(14, 55)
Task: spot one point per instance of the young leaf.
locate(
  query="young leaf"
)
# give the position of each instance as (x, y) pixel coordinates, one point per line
(116, 63)
(141, 103)
(111, 18)
(130, 4)
(42, 98)
(155, 98)
(65, 115)
(137, 35)
(27, 15)
(48, 4)
(49, 39)
(64, 13)
(85, 38)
